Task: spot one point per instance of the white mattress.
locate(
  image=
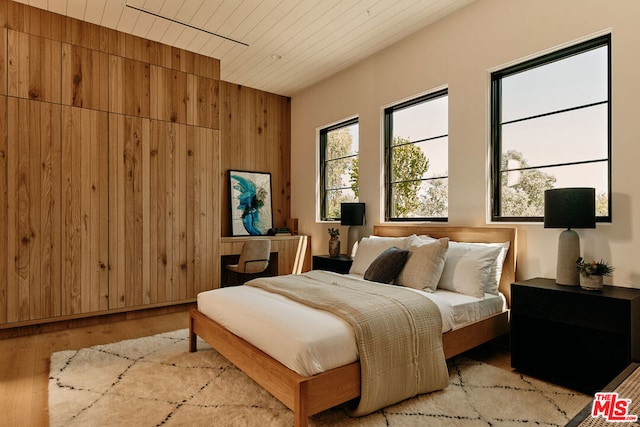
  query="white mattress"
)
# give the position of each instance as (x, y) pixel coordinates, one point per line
(310, 341)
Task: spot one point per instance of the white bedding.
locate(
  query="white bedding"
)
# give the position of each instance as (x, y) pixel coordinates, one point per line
(311, 341)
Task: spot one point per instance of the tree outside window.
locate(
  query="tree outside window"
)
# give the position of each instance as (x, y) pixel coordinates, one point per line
(339, 167)
(551, 129)
(416, 159)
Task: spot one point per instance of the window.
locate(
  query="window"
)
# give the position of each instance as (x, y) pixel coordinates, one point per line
(416, 158)
(551, 128)
(338, 168)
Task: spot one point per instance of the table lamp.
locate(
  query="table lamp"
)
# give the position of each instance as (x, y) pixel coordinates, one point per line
(352, 214)
(569, 208)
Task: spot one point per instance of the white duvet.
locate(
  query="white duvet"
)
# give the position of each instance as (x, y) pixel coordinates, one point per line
(310, 341)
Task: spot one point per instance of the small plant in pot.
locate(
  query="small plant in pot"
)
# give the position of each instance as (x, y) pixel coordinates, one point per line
(592, 273)
(334, 242)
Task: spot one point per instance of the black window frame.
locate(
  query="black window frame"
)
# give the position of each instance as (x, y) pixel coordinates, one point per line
(323, 162)
(388, 138)
(495, 121)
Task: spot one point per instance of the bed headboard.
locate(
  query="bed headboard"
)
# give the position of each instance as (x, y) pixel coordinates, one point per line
(465, 234)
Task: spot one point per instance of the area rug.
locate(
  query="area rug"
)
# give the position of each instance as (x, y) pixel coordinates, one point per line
(155, 381)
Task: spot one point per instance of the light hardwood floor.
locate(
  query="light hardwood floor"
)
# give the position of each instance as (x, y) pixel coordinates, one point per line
(24, 361)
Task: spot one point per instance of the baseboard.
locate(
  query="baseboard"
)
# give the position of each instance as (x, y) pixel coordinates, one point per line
(100, 319)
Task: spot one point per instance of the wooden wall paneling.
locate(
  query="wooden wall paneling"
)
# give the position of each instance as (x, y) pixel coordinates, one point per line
(164, 56)
(53, 26)
(34, 67)
(34, 21)
(168, 164)
(203, 232)
(202, 104)
(85, 201)
(231, 149)
(16, 16)
(3, 208)
(179, 214)
(182, 60)
(254, 128)
(129, 81)
(131, 47)
(3, 62)
(129, 284)
(3, 13)
(278, 141)
(168, 95)
(33, 210)
(108, 40)
(84, 76)
(50, 210)
(4, 239)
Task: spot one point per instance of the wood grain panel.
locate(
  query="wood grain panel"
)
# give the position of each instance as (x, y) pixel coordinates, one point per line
(144, 192)
(85, 251)
(85, 73)
(50, 210)
(168, 95)
(3, 209)
(33, 210)
(203, 232)
(202, 101)
(3, 62)
(168, 162)
(84, 34)
(34, 67)
(130, 84)
(205, 66)
(254, 126)
(128, 211)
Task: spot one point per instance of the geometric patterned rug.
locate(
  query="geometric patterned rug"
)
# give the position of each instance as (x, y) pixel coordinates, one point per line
(155, 381)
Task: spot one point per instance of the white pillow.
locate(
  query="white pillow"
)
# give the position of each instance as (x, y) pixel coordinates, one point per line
(424, 264)
(491, 285)
(468, 268)
(493, 281)
(370, 247)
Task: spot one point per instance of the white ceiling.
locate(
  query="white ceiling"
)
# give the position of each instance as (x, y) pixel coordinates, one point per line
(291, 43)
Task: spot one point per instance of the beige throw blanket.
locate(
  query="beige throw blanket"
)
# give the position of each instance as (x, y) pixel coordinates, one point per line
(398, 333)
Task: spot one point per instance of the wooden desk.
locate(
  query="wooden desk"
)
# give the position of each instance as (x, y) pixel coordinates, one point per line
(294, 252)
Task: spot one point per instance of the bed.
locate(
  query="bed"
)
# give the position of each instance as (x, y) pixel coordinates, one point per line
(307, 395)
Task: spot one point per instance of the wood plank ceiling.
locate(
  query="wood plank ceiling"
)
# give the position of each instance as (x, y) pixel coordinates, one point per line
(279, 46)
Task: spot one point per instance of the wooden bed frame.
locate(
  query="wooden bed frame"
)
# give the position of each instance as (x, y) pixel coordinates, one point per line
(307, 396)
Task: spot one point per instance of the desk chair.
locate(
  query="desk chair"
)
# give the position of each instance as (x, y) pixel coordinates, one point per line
(254, 259)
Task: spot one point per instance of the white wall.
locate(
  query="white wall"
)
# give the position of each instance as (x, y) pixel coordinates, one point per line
(459, 52)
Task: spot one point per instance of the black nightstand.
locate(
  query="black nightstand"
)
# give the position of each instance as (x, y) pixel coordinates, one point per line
(338, 264)
(576, 338)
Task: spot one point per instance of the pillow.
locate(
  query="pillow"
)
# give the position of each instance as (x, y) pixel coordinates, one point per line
(387, 265)
(467, 268)
(493, 281)
(369, 248)
(491, 285)
(424, 265)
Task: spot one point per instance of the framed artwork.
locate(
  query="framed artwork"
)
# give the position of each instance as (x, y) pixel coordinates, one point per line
(250, 196)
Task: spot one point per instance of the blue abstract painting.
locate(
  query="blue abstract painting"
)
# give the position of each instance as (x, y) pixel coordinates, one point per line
(250, 203)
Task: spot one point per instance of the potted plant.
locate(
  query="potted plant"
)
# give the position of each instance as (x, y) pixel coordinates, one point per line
(334, 242)
(592, 273)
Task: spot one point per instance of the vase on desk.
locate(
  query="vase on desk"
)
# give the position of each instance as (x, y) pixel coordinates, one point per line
(334, 247)
(592, 282)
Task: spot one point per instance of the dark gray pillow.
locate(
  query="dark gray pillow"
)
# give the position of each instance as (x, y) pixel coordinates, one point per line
(387, 265)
